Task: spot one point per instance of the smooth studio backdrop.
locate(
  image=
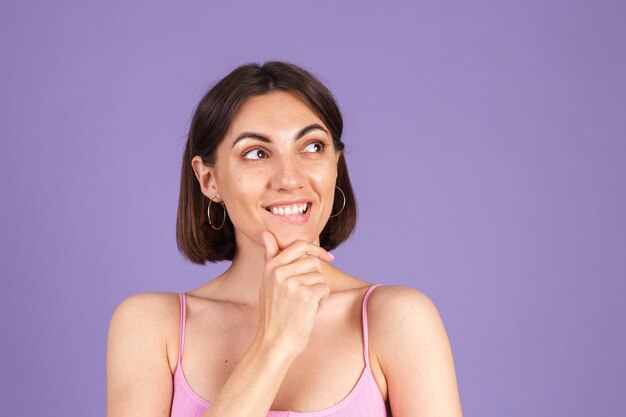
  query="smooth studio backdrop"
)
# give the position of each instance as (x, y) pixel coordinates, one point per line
(485, 141)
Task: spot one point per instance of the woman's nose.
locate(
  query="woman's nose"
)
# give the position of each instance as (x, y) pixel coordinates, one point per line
(287, 175)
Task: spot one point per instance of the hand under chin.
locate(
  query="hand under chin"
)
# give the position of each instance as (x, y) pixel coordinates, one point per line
(287, 238)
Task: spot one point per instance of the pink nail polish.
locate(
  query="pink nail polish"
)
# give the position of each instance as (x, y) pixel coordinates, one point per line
(331, 255)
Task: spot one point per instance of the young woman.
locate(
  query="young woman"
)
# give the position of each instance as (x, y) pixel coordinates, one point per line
(282, 332)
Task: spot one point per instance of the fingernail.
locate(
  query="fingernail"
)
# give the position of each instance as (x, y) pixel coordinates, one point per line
(331, 255)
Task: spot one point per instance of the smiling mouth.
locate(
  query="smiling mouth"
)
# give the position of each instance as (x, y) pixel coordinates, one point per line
(289, 209)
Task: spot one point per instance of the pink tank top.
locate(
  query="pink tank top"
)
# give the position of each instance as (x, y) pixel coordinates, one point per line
(365, 399)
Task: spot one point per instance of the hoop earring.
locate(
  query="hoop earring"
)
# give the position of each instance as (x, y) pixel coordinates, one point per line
(209, 214)
(344, 202)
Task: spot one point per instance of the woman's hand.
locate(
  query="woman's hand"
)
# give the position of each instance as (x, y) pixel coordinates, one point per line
(292, 292)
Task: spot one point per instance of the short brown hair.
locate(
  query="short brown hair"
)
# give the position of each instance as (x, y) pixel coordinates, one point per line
(195, 237)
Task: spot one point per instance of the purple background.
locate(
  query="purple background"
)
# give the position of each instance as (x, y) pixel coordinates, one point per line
(485, 140)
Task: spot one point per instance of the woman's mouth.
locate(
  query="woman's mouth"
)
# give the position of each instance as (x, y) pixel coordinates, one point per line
(289, 209)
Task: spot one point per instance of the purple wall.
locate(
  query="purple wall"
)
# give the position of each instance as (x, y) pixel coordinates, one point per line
(485, 139)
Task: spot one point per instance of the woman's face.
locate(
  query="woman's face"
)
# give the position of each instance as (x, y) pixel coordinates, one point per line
(276, 170)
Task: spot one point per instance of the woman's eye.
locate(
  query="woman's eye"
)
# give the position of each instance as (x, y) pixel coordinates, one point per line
(315, 147)
(255, 154)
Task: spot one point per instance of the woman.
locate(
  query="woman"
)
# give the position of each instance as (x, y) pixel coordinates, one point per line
(265, 185)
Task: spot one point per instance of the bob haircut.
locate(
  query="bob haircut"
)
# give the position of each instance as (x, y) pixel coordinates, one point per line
(196, 239)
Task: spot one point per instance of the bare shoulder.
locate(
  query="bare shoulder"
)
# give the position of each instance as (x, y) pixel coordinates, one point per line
(403, 322)
(411, 346)
(146, 310)
(146, 318)
(140, 361)
(393, 304)
(148, 302)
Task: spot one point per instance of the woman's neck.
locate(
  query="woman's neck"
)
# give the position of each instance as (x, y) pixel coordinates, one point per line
(241, 282)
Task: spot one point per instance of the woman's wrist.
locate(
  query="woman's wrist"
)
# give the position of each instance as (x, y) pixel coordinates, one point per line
(272, 352)
(256, 378)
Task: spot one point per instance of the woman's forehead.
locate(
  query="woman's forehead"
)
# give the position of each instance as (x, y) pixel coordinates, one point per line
(275, 111)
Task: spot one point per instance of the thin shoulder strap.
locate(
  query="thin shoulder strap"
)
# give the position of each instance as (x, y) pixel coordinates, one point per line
(364, 313)
(181, 338)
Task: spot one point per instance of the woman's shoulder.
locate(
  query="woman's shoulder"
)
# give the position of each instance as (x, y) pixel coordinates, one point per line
(403, 322)
(397, 312)
(147, 319)
(412, 350)
(147, 308)
(149, 312)
(142, 352)
(398, 299)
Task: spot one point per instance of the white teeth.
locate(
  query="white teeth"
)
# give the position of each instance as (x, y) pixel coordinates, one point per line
(289, 210)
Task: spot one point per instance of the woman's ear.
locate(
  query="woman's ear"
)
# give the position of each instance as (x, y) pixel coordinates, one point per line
(206, 177)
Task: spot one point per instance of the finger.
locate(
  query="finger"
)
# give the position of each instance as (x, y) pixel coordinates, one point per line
(301, 248)
(321, 291)
(299, 267)
(313, 295)
(321, 303)
(308, 278)
(270, 244)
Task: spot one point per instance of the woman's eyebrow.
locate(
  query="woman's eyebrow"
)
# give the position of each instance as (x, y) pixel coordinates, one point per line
(307, 129)
(252, 135)
(265, 139)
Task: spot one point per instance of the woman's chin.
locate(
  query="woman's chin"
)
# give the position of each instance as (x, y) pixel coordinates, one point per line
(286, 238)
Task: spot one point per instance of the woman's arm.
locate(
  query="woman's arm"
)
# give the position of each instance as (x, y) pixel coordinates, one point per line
(139, 378)
(139, 374)
(412, 347)
(291, 292)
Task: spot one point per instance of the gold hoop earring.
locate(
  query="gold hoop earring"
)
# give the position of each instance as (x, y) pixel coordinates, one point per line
(344, 202)
(209, 214)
